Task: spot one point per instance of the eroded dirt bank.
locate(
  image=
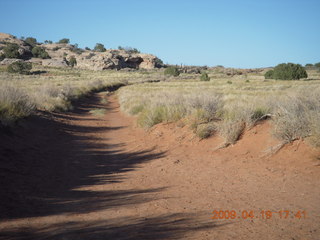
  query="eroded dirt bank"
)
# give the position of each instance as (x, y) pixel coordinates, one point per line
(81, 176)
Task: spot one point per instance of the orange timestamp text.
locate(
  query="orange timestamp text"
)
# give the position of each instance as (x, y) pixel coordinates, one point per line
(263, 214)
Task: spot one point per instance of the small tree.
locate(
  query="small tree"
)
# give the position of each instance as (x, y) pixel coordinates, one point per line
(99, 48)
(204, 77)
(158, 63)
(31, 41)
(268, 74)
(20, 67)
(64, 40)
(48, 42)
(172, 71)
(40, 53)
(289, 71)
(11, 51)
(72, 61)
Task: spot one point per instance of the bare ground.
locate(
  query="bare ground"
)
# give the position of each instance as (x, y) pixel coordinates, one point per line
(82, 176)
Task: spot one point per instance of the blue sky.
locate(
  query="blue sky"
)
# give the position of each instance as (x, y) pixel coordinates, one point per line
(246, 34)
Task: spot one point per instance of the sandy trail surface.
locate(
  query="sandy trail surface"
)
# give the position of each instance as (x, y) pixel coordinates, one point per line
(78, 175)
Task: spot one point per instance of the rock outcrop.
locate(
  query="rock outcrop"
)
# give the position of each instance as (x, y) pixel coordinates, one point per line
(61, 53)
(24, 48)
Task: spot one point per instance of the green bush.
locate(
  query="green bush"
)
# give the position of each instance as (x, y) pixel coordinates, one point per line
(64, 40)
(75, 48)
(289, 71)
(204, 77)
(309, 65)
(11, 51)
(158, 62)
(317, 64)
(99, 48)
(72, 61)
(31, 41)
(172, 71)
(19, 67)
(129, 49)
(268, 74)
(40, 53)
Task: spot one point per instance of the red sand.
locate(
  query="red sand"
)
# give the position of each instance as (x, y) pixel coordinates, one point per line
(79, 176)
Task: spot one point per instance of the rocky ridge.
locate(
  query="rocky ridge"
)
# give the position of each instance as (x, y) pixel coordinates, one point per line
(61, 53)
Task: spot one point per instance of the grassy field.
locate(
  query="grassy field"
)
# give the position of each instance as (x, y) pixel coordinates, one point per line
(228, 105)
(53, 89)
(225, 105)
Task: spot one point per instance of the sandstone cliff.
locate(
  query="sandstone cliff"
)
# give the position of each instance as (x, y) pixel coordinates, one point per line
(60, 54)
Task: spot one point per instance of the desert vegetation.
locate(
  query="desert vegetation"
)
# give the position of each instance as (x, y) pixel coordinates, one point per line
(217, 107)
(53, 89)
(20, 67)
(172, 71)
(287, 71)
(99, 47)
(64, 40)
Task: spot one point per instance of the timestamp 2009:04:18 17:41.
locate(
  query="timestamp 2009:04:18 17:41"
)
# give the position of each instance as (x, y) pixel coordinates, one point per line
(264, 214)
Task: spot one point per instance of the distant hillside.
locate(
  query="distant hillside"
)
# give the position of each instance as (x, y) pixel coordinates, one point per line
(63, 54)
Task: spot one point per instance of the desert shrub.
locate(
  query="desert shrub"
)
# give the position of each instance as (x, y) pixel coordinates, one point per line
(64, 40)
(158, 62)
(31, 41)
(72, 61)
(204, 77)
(50, 98)
(136, 109)
(14, 104)
(314, 120)
(268, 74)
(99, 47)
(56, 48)
(87, 48)
(2, 56)
(48, 42)
(291, 119)
(172, 71)
(151, 117)
(11, 50)
(317, 65)
(205, 130)
(289, 71)
(309, 65)
(129, 49)
(19, 67)
(40, 53)
(229, 82)
(75, 48)
(231, 130)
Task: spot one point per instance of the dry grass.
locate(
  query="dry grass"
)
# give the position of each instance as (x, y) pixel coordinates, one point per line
(229, 109)
(209, 107)
(14, 104)
(54, 89)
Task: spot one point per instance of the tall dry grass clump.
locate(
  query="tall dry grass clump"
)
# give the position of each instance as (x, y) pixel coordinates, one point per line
(298, 116)
(14, 104)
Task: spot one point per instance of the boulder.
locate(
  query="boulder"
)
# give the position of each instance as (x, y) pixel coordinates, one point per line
(55, 62)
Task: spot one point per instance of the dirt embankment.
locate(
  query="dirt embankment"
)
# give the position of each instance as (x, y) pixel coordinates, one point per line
(80, 176)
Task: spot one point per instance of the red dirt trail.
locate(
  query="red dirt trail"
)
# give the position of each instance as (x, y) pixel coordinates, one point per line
(75, 176)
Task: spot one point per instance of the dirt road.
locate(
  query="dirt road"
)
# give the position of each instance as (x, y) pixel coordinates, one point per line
(82, 176)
